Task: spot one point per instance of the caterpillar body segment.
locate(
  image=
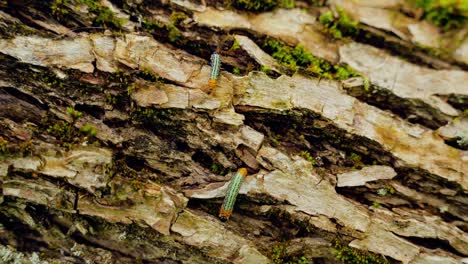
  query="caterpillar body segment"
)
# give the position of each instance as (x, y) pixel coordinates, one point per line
(231, 195)
(215, 69)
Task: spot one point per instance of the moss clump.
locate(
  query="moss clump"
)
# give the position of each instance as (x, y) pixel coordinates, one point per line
(219, 169)
(59, 9)
(349, 255)
(265, 69)
(306, 155)
(150, 115)
(67, 133)
(178, 17)
(104, 16)
(3, 146)
(235, 45)
(88, 130)
(340, 26)
(236, 71)
(255, 5)
(278, 256)
(169, 31)
(298, 58)
(357, 160)
(262, 5)
(447, 14)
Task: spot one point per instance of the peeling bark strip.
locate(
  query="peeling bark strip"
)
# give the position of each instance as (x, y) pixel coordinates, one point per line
(114, 150)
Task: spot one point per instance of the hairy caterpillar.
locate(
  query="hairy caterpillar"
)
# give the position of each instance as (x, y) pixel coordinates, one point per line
(215, 68)
(233, 189)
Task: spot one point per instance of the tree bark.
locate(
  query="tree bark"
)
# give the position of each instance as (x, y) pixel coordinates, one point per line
(114, 148)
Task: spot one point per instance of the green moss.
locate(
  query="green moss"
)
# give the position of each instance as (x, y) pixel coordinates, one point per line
(287, 3)
(255, 5)
(340, 26)
(62, 131)
(88, 130)
(168, 30)
(26, 148)
(298, 58)
(148, 75)
(3, 146)
(177, 17)
(104, 16)
(59, 9)
(235, 45)
(219, 169)
(278, 255)
(447, 14)
(150, 115)
(357, 160)
(317, 2)
(265, 69)
(174, 34)
(67, 133)
(236, 71)
(74, 113)
(306, 155)
(262, 5)
(349, 255)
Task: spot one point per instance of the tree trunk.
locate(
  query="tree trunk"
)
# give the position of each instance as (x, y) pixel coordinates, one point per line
(349, 117)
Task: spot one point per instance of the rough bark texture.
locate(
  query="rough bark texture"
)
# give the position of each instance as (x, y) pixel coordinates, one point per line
(114, 148)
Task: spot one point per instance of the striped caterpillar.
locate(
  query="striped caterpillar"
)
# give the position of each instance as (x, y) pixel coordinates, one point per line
(215, 68)
(233, 189)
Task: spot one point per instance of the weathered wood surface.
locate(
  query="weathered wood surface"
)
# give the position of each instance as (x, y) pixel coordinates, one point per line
(113, 149)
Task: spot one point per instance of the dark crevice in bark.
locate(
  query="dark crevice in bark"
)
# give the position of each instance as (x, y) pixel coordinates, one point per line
(418, 55)
(432, 243)
(459, 101)
(413, 110)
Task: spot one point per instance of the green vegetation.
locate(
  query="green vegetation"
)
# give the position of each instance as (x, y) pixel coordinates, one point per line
(148, 75)
(8, 148)
(3, 146)
(177, 17)
(168, 30)
(385, 191)
(88, 130)
(104, 16)
(306, 155)
(447, 14)
(317, 2)
(59, 9)
(74, 113)
(236, 71)
(298, 58)
(219, 169)
(349, 255)
(150, 115)
(357, 160)
(67, 133)
(262, 5)
(235, 45)
(265, 69)
(340, 26)
(375, 204)
(278, 256)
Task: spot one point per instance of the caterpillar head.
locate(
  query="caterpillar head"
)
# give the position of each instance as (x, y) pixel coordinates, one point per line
(224, 214)
(242, 171)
